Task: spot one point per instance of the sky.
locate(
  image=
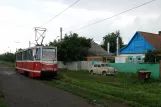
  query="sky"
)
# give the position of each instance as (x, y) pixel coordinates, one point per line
(19, 17)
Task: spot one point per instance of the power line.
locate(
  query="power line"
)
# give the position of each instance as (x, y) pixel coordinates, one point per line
(60, 13)
(114, 15)
(155, 20)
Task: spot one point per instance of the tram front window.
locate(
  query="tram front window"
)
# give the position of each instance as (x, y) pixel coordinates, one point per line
(49, 54)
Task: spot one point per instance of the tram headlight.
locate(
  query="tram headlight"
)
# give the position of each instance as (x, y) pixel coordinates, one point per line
(55, 69)
(43, 69)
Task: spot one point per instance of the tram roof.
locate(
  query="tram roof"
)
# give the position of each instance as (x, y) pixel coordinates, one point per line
(36, 47)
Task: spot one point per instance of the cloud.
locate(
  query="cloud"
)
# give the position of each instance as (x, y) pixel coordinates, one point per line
(19, 17)
(111, 5)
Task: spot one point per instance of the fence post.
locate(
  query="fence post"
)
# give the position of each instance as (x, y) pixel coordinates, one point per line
(77, 66)
(88, 65)
(160, 68)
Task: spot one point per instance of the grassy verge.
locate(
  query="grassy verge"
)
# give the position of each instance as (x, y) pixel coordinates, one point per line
(122, 89)
(2, 102)
(9, 64)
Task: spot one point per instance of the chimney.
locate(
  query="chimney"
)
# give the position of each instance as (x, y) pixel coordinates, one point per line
(159, 32)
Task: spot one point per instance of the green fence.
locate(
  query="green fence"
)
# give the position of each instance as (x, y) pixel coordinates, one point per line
(153, 68)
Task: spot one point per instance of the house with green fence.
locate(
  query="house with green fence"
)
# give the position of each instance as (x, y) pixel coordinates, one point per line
(140, 43)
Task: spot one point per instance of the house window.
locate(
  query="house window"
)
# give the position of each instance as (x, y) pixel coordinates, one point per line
(130, 60)
(138, 60)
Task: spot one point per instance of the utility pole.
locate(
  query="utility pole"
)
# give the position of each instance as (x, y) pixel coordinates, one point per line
(70, 33)
(29, 44)
(61, 29)
(9, 49)
(108, 47)
(117, 46)
(16, 46)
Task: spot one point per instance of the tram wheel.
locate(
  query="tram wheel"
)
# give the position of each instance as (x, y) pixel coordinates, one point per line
(26, 73)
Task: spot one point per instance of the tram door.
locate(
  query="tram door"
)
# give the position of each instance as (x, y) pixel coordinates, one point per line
(30, 64)
(37, 59)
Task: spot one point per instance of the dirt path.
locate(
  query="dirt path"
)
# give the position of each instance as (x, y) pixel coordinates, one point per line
(21, 91)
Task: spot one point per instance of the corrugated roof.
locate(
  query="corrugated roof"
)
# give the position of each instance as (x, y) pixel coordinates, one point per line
(153, 39)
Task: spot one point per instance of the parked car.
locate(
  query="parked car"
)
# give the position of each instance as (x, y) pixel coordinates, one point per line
(103, 69)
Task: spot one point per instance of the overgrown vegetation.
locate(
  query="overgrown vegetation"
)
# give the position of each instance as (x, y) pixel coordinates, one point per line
(10, 57)
(2, 102)
(111, 38)
(153, 56)
(72, 48)
(9, 64)
(122, 89)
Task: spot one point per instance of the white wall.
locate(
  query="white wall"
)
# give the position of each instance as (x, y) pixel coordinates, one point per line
(61, 65)
(143, 55)
(86, 65)
(72, 66)
(120, 59)
(80, 65)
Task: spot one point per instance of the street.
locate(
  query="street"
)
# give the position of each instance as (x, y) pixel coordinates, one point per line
(21, 91)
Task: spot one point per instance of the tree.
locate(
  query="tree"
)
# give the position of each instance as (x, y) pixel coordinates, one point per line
(111, 38)
(19, 49)
(54, 43)
(72, 48)
(7, 57)
(152, 56)
(149, 57)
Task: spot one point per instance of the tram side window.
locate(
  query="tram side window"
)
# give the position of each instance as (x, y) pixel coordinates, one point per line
(25, 55)
(19, 56)
(29, 54)
(38, 53)
(16, 56)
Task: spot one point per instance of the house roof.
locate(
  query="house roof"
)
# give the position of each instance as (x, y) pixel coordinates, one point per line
(97, 50)
(153, 39)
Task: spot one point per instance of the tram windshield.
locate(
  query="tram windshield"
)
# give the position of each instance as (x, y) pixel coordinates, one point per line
(48, 54)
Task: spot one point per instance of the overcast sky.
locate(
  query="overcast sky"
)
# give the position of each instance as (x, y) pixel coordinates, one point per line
(19, 17)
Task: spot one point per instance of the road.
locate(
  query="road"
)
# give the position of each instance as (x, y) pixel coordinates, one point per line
(21, 91)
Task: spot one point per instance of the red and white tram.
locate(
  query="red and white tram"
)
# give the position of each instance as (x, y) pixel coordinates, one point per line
(36, 61)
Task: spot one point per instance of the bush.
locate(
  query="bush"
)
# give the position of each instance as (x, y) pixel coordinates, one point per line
(10, 57)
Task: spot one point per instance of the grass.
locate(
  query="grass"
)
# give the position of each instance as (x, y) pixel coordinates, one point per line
(9, 64)
(2, 102)
(121, 90)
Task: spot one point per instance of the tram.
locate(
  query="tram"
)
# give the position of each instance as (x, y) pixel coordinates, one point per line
(36, 61)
